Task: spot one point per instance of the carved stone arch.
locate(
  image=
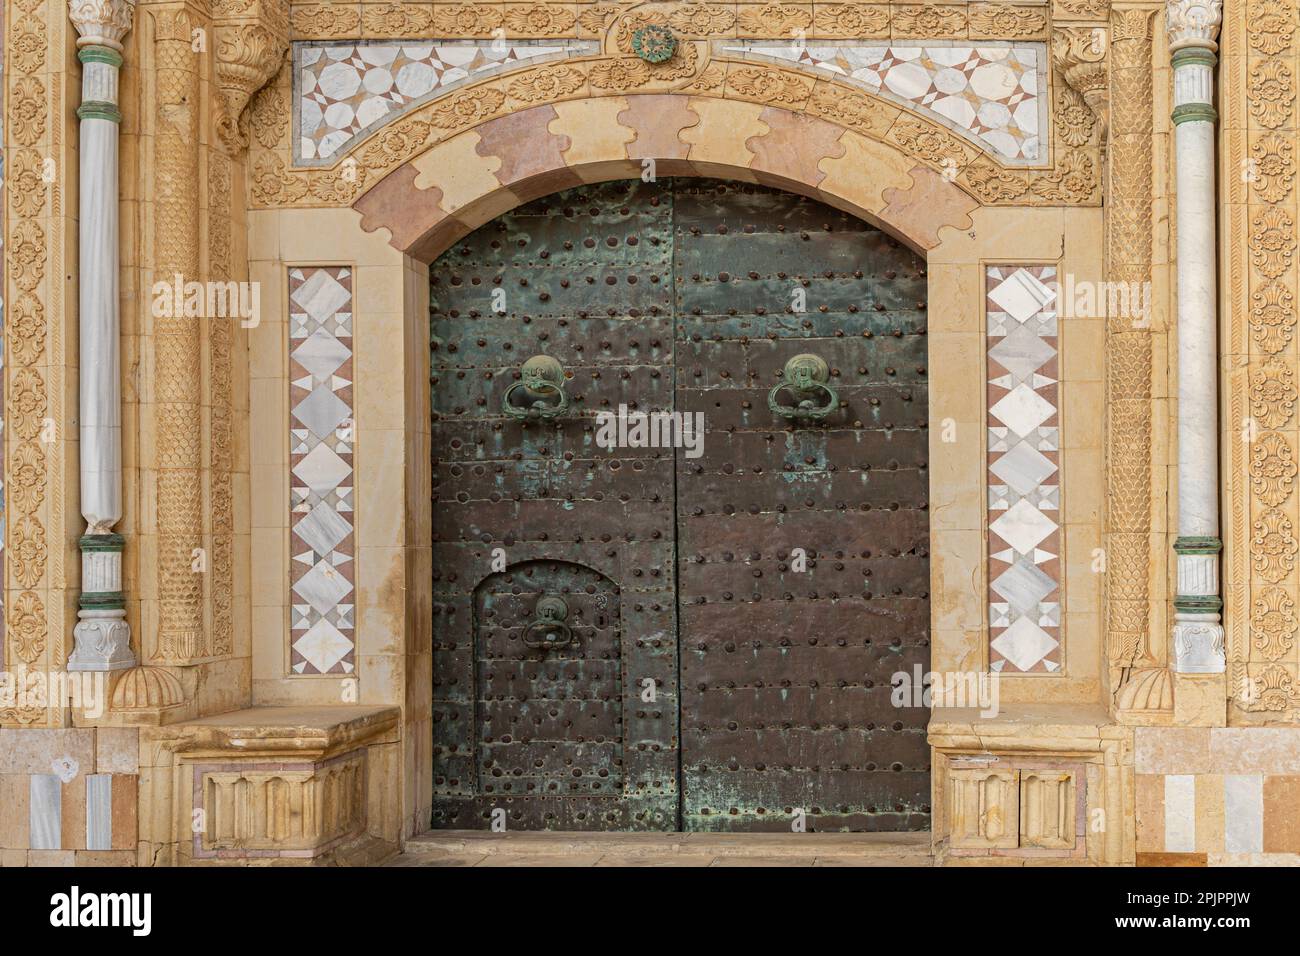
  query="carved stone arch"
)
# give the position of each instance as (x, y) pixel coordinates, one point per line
(429, 201)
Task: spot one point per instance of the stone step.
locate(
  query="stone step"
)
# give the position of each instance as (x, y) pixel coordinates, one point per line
(472, 843)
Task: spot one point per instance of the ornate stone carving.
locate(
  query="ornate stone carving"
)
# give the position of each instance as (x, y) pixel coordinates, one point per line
(182, 635)
(323, 21)
(1272, 395)
(702, 19)
(1272, 171)
(547, 84)
(1005, 21)
(1128, 348)
(769, 86)
(1272, 469)
(1080, 56)
(1146, 696)
(1272, 25)
(1272, 241)
(851, 20)
(32, 239)
(1272, 93)
(1273, 546)
(596, 19)
(1081, 9)
(927, 20)
(773, 19)
(1193, 23)
(103, 22)
(249, 51)
(1273, 623)
(146, 688)
(396, 20)
(1272, 316)
(1259, 210)
(539, 19)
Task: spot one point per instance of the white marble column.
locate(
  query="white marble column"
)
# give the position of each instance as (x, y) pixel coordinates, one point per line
(103, 640)
(1198, 635)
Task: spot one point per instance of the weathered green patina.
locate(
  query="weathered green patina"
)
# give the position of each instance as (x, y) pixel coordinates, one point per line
(732, 616)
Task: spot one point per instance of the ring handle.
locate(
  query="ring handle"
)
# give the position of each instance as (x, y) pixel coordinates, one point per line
(551, 614)
(542, 382)
(805, 377)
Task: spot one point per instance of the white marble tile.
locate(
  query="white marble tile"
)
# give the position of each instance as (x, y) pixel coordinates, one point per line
(99, 812)
(1180, 813)
(46, 811)
(1243, 813)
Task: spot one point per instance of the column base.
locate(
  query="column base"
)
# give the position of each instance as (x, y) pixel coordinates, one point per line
(103, 643)
(1198, 647)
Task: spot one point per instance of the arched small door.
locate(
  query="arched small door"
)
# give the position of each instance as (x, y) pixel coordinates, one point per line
(727, 592)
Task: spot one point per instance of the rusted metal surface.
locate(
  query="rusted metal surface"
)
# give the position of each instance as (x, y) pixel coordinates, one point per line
(557, 737)
(680, 295)
(786, 673)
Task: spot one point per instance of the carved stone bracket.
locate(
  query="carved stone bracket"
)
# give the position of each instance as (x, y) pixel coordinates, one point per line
(1079, 54)
(250, 45)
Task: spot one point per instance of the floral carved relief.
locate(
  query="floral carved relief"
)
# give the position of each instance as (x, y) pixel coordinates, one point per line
(1260, 218)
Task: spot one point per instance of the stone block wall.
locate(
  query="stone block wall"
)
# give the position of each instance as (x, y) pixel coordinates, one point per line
(1217, 796)
(69, 797)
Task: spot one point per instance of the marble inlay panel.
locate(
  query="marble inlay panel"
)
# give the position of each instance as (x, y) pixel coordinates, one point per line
(99, 812)
(342, 91)
(322, 539)
(1024, 490)
(994, 94)
(45, 811)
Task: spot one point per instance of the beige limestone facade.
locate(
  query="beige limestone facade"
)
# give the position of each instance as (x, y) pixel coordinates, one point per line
(233, 739)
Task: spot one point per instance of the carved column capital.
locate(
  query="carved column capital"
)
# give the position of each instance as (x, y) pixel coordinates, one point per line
(101, 22)
(1193, 23)
(251, 40)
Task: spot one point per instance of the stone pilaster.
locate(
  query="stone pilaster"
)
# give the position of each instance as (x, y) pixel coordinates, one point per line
(1193, 26)
(103, 639)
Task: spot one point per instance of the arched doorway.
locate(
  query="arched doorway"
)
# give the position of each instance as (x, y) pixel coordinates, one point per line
(643, 624)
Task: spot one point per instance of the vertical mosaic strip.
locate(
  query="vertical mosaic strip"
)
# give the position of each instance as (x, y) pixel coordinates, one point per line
(1024, 504)
(322, 530)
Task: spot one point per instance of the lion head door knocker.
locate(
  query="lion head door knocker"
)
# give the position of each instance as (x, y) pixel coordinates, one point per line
(548, 630)
(541, 386)
(806, 378)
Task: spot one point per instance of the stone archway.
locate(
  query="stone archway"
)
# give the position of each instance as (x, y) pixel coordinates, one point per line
(405, 218)
(431, 200)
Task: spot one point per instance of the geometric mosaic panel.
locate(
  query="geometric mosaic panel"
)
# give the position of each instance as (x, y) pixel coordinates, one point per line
(992, 93)
(322, 529)
(342, 91)
(1024, 470)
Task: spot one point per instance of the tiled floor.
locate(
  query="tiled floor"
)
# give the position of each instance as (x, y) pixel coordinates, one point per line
(462, 848)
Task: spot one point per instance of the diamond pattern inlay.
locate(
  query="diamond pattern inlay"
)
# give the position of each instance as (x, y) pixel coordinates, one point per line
(1024, 530)
(322, 575)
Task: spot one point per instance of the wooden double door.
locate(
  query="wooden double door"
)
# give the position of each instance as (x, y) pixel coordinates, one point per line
(669, 628)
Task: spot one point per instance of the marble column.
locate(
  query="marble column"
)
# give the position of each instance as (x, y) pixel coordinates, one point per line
(1198, 635)
(103, 639)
